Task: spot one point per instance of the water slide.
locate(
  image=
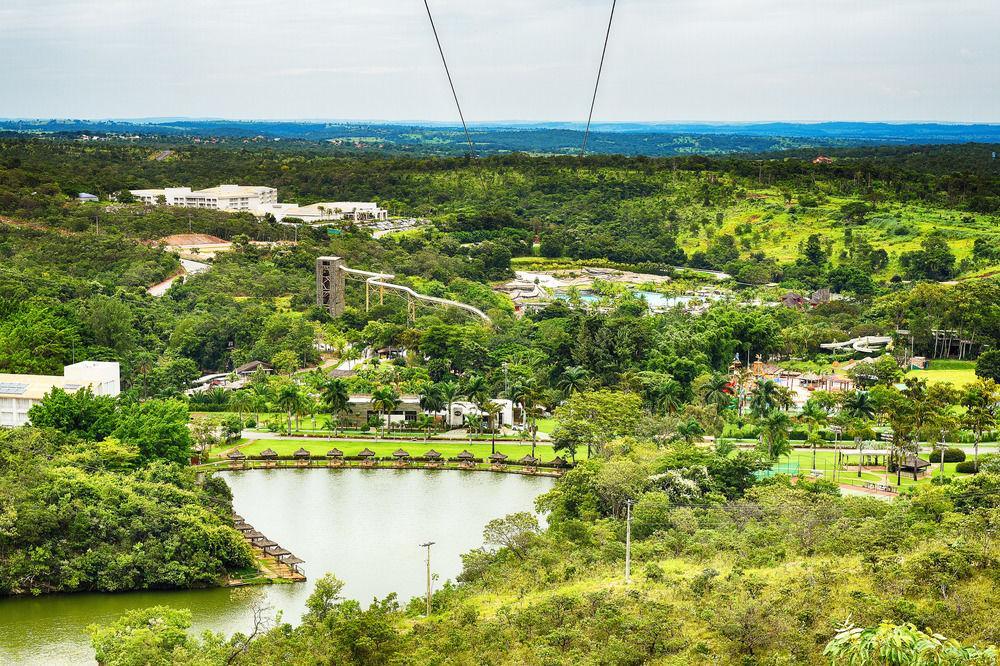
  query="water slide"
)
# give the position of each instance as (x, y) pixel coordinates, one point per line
(379, 280)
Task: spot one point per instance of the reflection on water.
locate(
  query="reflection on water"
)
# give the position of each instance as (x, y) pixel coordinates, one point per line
(362, 525)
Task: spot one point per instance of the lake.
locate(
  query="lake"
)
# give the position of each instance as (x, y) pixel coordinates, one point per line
(363, 525)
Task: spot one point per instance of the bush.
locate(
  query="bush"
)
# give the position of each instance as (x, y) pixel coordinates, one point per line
(950, 455)
(967, 467)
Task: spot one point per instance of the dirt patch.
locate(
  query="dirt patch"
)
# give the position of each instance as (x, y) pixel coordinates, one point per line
(191, 239)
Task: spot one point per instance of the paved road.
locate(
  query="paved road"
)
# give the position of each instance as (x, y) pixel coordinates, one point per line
(188, 267)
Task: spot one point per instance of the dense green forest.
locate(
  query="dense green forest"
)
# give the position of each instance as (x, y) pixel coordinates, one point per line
(732, 564)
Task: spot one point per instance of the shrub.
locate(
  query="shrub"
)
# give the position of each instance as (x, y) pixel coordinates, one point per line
(950, 455)
(967, 467)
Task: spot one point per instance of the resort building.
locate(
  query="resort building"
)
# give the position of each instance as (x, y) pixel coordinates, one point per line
(327, 211)
(18, 393)
(261, 201)
(361, 410)
(231, 198)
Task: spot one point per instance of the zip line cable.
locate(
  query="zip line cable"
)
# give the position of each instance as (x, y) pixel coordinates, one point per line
(447, 71)
(597, 84)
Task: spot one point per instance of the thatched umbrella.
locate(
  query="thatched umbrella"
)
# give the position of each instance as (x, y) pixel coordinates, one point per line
(276, 551)
(301, 454)
(237, 518)
(432, 455)
(266, 543)
(245, 527)
(558, 461)
(366, 453)
(334, 453)
(236, 455)
(400, 454)
(269, 454)
(498, 457)
(465, 455)
(254, 535)
(528, 459)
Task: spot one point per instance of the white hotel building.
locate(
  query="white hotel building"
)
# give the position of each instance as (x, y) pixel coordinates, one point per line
(18, 393)
(261, 201)
(233, 198)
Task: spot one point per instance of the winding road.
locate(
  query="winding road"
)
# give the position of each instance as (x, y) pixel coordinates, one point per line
(188, 267)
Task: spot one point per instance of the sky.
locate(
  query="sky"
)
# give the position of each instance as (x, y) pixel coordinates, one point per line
(531, 60)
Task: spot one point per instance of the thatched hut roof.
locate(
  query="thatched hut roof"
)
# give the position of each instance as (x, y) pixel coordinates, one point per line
(465, 455)
(276, 551)
(498, 457)
(558, 461)
(400, 453)
(528, 459)
(236, 455)
(245, 527)
(253, 535)
(237, 518)
(366, 453)
(913, 461)
(432, 455)
(301, 453)
(334, 453)
(292, 560)
(266, 543)
(269, 453)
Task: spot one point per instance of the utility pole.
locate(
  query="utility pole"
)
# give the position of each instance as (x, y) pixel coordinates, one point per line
(628, 541)
(428, 547)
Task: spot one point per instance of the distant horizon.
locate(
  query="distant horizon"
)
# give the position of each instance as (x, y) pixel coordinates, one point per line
(497, 122)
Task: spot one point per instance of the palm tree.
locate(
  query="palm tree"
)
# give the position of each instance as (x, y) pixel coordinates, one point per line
(765, 398)
(574, 379)
(241, 401)
(473, 423)
(689, 430)
(336, 398)
(980, 401)
(289, 399)
(385, 400)
(450, 392)
(857, 405)
(812, 416)
(431, 400)
(475, 387)
(716, 391)
(774, 434)
(528, 393)
(425, 422)
(491, 410)
(310, 406)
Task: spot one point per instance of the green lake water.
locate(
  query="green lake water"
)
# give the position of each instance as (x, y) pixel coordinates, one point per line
(363, 525)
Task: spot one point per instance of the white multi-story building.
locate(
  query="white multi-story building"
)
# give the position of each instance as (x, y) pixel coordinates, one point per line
(261, 201)
(357, 211)
(232, 198)
(18, 393)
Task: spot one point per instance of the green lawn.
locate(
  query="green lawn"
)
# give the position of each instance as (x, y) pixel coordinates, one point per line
(546, 425)
(825, 463)
(385, 449)
(956, 373)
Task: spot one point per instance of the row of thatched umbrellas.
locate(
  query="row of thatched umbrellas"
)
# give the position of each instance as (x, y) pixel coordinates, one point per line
(367, 454)
(258, 540)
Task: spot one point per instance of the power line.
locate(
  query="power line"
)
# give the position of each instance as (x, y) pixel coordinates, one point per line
(447, 71)
(597, 84)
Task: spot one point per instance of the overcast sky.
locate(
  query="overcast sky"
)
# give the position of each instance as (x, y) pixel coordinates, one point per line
(730, 60)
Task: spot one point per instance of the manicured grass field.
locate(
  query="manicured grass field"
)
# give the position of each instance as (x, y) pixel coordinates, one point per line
(385, 449)
(825, 463)
(956, 373)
